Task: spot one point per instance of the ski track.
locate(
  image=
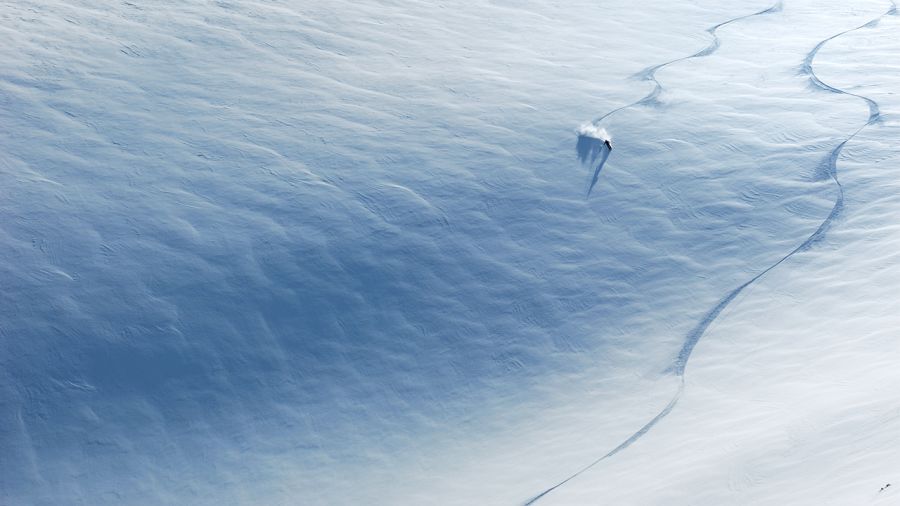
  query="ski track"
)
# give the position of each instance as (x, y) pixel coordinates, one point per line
(829, 164)
(649, 74)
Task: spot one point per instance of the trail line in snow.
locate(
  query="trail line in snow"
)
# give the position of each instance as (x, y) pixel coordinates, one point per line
(649, 74)
(829, 164)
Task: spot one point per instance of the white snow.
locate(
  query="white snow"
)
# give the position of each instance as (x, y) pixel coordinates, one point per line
(328, 253)
(594, 131)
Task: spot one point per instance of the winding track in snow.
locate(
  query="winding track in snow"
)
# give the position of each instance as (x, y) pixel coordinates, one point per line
(829, 165)
(649, 74)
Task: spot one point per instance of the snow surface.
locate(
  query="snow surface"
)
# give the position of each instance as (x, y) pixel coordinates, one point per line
(320, 253)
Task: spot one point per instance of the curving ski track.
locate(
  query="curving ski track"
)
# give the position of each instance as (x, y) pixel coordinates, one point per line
(649, 74)
(829, 165)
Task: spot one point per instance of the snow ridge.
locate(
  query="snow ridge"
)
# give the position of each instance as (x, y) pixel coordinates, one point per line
(829, 165)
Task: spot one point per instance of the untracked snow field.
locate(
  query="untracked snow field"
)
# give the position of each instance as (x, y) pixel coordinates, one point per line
(297, 252)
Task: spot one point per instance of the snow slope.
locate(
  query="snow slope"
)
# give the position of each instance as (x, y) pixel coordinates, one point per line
(293, 252)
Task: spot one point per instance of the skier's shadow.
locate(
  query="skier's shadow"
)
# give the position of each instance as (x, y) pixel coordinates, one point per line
(589, 149)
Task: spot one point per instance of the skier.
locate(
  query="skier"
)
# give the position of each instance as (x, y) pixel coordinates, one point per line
(608, 144)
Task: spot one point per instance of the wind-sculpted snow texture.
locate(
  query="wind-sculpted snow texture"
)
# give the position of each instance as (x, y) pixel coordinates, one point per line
(294, 252)
(697, 332)
(829, 168)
